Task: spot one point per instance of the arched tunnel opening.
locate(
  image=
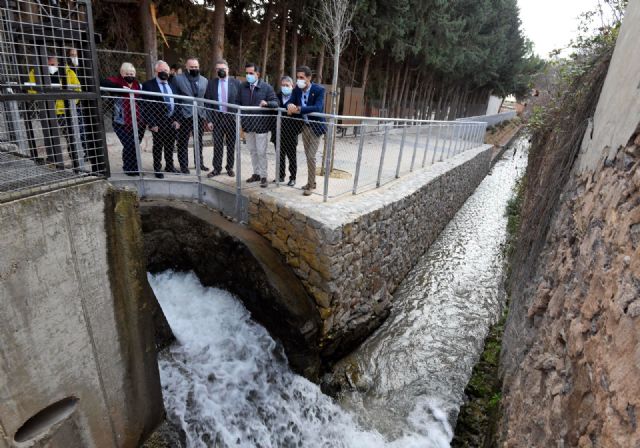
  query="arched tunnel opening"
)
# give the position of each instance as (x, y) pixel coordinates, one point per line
(183, 236)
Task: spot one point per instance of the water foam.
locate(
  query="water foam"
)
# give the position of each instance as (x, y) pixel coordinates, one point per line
(226, 382)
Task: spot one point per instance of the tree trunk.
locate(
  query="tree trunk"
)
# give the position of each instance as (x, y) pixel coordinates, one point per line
(401, 93)
(148, 36)
(218, 30)
(265, 34)
(283, 40)
(394, 97)
(386, 85)
(320, 68)
(294, 43)
(353, 72)
(365, 73)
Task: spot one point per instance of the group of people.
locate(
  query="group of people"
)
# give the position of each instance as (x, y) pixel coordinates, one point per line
(63, 76)
(172, 121)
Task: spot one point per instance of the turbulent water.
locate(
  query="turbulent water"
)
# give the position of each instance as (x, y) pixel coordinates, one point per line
(226, 382)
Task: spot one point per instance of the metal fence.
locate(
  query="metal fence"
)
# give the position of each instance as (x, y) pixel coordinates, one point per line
(155, 135)
(492, 120)
(50, 110)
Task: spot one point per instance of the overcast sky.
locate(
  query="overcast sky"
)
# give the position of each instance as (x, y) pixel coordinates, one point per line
(551, 24)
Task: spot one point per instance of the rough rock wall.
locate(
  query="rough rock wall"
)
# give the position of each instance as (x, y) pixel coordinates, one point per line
(351, 266)
(578, 383)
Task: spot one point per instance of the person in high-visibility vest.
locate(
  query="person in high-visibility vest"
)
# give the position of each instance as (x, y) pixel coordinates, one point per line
(67, 81)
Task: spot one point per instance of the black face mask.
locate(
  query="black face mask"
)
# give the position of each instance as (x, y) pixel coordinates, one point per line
(129, 79)
(194, 72)
(163, 76)
(222, 73)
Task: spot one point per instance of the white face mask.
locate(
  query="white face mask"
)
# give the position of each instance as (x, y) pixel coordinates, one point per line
(74, 61)
(53, 70)
(301, 83)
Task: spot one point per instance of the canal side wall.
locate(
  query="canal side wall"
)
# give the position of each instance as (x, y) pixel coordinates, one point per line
(352, 254)
(76, 309)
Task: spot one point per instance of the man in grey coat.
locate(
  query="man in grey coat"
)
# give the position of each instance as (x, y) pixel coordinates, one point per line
(257, 124)
(193, 84)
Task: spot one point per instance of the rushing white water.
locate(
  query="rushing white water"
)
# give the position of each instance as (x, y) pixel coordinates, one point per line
(226, 382)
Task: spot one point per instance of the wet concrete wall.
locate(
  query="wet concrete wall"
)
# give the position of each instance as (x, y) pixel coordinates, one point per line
(78, 365)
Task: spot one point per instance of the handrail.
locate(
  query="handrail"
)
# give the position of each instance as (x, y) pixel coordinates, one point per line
(276, 109)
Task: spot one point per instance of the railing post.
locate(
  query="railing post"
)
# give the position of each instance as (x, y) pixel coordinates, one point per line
(415, 147)
(444, 142)
(18, 127)
(238, 168)
(359, 161)
(327, 158)
(196, 146)
(426, 144)
(278, 143)
(458, 141)
(450, 137)
(136, 142)
(384, 148)
(404, 137)
(435, 146)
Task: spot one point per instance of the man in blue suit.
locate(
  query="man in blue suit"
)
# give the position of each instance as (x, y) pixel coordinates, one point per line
(160, 115)
(222, 118)
(306, 99)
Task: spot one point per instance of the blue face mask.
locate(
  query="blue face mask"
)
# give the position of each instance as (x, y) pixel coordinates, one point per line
(251, 78)
(286, 90)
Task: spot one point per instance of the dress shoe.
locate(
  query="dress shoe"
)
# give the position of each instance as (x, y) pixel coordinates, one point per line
(230, 173)
(253, 178)
(281, 180)
(213, 174)
(204, 168)
(291, 182)
(263, 182)
(159, 175)
(307, 192)
(185, 171)
(307, 187)
(132, 173)
(170, 169)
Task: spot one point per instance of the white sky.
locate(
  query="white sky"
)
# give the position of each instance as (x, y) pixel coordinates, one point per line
(551, 24)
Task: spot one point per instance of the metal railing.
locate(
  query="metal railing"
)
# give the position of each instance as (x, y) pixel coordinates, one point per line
(492, 120)
(260, 141)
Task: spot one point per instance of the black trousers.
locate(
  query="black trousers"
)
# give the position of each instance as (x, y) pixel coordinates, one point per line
(186, 129)
(288, 146)
(65, 124)
(224, 130)
(163, 143)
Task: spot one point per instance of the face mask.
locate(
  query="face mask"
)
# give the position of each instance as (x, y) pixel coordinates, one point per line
(286, 90)
(74, 62)
(53, 70)
(194, 72)
(129, 79)
(251, 78)
(222, 73)
(301, 83)
(163, 76)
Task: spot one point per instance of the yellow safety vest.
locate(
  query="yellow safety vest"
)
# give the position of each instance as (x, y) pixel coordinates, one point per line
(73, 83)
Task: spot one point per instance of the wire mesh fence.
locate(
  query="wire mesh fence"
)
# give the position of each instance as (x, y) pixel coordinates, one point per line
(249, 147)
(50, 111)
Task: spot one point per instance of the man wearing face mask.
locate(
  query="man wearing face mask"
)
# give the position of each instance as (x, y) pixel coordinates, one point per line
(222, 118)
(160, 115)
(255, 124)
(192, 84)
(308, 98)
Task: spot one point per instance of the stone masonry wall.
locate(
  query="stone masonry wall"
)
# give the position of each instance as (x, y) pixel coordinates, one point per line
(352, 254)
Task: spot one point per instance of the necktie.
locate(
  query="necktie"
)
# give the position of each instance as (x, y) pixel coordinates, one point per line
(194, 87)
(166, 99)
(223, 95)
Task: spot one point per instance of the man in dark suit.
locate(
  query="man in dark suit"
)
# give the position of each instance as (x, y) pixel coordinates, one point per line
(255, 124)
(290, 127)
(160, 115)
(308, 98)
(193, 84)
(222, 118)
